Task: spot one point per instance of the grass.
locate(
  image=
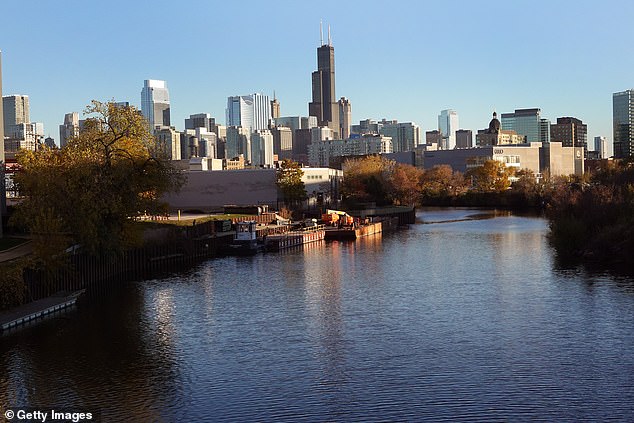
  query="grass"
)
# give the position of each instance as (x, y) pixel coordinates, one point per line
(9, 242)
(189, 221)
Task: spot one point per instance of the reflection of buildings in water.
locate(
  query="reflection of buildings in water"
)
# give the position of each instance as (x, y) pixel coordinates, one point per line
(323, 280)
(163, 304)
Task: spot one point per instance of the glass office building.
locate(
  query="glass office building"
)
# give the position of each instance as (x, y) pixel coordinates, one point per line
(623, 127)
(529, 123)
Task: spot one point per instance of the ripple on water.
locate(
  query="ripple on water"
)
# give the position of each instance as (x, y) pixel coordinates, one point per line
(464, 320)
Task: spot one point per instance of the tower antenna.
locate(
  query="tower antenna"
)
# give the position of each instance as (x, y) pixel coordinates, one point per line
(321, 33)
(329, 43)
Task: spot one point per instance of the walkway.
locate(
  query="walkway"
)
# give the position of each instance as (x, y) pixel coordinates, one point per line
(17, 252)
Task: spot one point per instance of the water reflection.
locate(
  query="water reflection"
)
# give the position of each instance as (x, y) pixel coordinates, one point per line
(460, 320)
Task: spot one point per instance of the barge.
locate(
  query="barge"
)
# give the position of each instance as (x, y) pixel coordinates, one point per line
(295, 238)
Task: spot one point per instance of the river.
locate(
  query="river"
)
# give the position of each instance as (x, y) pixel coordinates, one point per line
(461, 317)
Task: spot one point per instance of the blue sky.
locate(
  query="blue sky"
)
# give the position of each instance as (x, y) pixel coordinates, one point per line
(404, 60)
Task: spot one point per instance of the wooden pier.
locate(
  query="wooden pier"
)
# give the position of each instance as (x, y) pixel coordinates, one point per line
(37, 309)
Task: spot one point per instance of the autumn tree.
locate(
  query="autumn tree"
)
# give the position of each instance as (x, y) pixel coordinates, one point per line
(493, 175)
(405, 184)
(289, 181)
(366, 179)
(442, 180)
(89, 191)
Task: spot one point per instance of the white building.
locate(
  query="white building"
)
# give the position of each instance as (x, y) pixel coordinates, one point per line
(170, 140)
(262, 148)
(249, 111)
(601, 146)
(405, 135)
(15, 111)
(448, 125)
(155, 103)
(69, 129)
(320, 152)
(321, 133)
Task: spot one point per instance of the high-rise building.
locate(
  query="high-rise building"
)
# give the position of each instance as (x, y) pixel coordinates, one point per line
(623, 124)
(464, 138)
(69, 129)
(155, 103)
(448, 125)
(323, 104)
(529, 123)
(170, 140)
(201, 120)
(275, 107)
(249, 111)
(16, 111)
(262, 148)
(405, 135)
(238, 142)
(433, 137)
(282, 142)
(571, 132)
(345, 117)
(601, 147)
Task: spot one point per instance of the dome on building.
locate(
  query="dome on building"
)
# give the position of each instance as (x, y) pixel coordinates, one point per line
(494, 125)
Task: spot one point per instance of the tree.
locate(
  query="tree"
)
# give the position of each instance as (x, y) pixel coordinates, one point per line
(493, 175)
(289, 181)
(366, 179)
(405, 183)
(441, 180)
(90, 191)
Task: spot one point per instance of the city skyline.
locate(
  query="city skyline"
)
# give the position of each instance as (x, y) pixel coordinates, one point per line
(406, 73)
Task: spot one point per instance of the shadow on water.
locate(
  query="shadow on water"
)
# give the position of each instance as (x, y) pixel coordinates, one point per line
(110, 346)
(590, 271)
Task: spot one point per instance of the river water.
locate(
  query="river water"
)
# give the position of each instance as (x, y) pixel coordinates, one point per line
(449, 320)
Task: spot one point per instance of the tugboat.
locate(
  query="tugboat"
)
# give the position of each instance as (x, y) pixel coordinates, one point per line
(245, 241)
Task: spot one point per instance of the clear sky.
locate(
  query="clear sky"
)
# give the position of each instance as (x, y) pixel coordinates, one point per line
(404, 60)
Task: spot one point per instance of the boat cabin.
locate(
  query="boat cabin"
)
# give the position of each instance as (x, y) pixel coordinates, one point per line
(246, 231)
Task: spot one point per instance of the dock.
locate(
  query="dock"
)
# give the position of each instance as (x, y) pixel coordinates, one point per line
(37, 309)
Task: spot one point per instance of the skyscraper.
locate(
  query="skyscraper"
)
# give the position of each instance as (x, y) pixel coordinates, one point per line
(249, 111)
(623, 123)
(69, 129)
(448, 125)
(571, 132)
(405, 135)
(324, 106)
(345, 117)
(155, 103)
(16, 111)
(275, 107)
(201, 120)
(527, 122)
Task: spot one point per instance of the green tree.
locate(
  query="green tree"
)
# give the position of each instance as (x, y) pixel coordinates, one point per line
(493, 175)
(289, 181)
(90, 191)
